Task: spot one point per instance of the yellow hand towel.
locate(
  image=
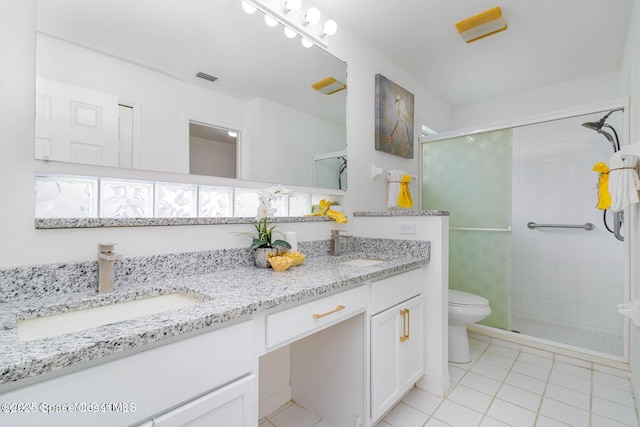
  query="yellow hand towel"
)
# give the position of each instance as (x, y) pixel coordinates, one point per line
(604, 197)
(404, 196)
(323, 210)
(338, 217)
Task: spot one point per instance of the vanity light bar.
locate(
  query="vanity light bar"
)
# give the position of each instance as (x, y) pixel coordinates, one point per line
(306, 23)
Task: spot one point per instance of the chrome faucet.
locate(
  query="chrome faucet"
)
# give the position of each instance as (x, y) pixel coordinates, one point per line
(335, 241)
(106, 260)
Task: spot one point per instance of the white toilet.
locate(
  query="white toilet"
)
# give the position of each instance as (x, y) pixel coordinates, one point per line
(464, 308)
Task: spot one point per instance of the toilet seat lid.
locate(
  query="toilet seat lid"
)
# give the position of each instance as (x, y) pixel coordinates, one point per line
(465, 299)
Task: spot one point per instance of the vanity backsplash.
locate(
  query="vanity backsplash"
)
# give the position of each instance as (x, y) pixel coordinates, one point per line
(74, 277)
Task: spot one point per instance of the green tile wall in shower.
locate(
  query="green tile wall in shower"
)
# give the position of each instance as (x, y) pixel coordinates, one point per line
(470, 176)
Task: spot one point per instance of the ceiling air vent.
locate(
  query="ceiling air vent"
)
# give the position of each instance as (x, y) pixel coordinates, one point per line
(206, 76)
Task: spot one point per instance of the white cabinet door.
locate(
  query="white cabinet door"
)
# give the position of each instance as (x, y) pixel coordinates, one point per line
(386, 330)
(413, 347)
(397, 359)
(231, 406)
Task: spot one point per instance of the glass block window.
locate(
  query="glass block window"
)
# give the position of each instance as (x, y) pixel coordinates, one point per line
(126, 199)
(215, 202)
(282, 206)
(66, 197)
(300, 204)
(245, 202)
(176, 200)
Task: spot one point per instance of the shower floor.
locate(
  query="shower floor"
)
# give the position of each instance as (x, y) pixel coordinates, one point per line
(601, 342)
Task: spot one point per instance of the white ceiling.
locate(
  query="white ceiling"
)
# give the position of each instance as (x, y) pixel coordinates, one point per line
(548, 41)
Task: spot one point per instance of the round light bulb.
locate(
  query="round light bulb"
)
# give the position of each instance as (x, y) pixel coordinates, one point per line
(289, 32)
(270, 21)
(306, 43)
(330, 27)
(248, 8)
(312, 16)
(290, 5)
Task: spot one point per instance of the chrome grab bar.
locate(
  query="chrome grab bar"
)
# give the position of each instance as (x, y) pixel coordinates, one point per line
(588, 226)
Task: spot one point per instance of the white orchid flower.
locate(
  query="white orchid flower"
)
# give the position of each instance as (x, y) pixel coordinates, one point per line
(265, 211)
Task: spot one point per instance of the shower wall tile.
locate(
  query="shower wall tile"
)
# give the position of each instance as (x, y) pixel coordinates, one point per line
(563, 275)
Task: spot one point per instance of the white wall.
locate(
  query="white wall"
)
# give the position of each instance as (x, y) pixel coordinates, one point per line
(363, 63)
(630, 84)
(297, 138)
(208, 157)
(573, 93)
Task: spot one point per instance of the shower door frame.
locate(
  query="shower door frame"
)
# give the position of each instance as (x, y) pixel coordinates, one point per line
(631, 217)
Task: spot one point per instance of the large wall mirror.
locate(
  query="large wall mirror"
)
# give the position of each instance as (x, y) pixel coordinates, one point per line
(122, 84)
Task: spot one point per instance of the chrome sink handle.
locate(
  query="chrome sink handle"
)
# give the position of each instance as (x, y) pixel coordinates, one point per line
(106, 260)
(335, 241)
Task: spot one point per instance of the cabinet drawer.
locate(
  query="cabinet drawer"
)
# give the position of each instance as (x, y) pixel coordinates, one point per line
(393, 290)
(304, 319)
(232, 405)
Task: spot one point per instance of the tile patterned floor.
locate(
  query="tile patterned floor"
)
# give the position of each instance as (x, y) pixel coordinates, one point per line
(507, 385)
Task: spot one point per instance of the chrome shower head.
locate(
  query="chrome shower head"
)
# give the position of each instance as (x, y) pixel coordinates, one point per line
(597, 126)
(593, 125)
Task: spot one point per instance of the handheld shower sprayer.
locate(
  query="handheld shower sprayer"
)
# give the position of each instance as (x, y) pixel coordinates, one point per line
(597, 126)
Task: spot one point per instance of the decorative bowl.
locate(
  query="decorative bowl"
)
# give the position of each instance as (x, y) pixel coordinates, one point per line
(280, 263)
(296, 257)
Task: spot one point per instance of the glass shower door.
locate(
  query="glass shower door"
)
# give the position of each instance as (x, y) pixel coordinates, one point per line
(470, 176)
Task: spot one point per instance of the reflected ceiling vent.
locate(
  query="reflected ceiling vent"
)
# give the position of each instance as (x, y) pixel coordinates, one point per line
(206, 76)
(329, 85)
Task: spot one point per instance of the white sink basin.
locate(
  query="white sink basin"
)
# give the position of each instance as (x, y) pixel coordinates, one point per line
(77, 320)
(362, 262)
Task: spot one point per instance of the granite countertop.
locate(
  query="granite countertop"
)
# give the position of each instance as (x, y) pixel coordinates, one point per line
(233, 294)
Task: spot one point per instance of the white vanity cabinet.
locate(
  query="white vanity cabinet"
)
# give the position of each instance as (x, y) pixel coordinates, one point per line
(210, 374)
(397, 341)
(233, 406)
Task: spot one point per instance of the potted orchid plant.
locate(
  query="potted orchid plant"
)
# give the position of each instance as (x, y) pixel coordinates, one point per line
(263, 242)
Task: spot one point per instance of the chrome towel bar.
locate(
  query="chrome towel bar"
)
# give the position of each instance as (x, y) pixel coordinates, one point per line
(588, 226)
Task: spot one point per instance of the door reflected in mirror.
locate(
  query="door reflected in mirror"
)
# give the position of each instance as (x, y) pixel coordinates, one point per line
(212, 150)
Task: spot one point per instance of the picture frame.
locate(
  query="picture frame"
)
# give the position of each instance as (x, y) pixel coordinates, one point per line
(394, 127)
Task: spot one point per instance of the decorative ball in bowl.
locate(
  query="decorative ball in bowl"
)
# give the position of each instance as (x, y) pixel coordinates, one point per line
(280, 263)
(296, 257)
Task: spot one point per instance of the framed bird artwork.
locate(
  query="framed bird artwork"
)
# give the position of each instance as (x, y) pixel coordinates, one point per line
(394, 118)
